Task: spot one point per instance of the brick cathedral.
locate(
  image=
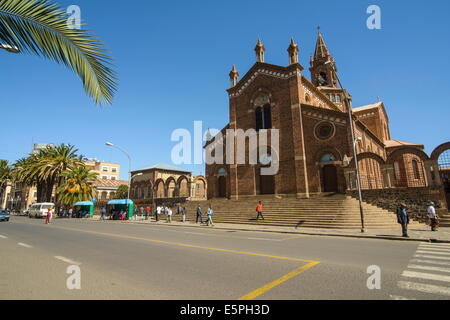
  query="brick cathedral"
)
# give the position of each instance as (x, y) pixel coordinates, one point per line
(315, 154)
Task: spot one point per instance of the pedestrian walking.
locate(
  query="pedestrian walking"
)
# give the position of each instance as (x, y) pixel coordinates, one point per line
(259, 211)
(169, 215)
(434, 218)
(142, 212)
(136, 213)
(199, 215)
(148, 212)
(103, 214)
(184, 212)
(48, 218)
(70, 213)
(209, 213)
(403, 219)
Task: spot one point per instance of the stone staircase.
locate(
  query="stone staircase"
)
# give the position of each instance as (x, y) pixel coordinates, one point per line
(444, 218)
(328, 212)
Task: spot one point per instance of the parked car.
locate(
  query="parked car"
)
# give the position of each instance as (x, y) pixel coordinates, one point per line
(39, 210)
(4, 216)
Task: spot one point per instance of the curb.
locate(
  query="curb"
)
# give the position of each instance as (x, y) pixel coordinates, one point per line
(393, 238)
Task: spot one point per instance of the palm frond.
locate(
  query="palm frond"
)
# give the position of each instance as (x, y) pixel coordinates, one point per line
(40, 27)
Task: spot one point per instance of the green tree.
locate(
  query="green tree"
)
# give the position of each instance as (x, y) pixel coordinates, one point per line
(122, 192)
(40, 27)
(44, 169)
(77, 186)
(5, 175)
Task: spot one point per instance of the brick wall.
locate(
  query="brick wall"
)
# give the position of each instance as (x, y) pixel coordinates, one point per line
(416, 199)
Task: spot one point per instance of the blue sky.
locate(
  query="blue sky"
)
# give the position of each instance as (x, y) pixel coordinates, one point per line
(173, 60)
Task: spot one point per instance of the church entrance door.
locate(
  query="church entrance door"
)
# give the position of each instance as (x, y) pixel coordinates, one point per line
(222, 187)
(330, 181)
(267, 184)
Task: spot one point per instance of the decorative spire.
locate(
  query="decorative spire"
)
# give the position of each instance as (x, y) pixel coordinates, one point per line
(293, 52)
(321, 48)
(259, 49)
(234, 76)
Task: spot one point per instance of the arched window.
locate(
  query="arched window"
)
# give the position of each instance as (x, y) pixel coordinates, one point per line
(263, 117)
(416, 171)
(259, 118)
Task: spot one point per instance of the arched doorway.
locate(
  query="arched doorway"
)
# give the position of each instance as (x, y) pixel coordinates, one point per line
(330, 180)
(222, 187)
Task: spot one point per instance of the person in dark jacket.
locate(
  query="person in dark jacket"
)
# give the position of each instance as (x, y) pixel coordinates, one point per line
(199, 215)
(403, 219)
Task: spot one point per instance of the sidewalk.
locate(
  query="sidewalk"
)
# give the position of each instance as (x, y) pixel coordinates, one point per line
(421, 233)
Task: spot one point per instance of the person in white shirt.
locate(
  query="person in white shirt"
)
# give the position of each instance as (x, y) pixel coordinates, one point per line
(158, 212)
(433, 217)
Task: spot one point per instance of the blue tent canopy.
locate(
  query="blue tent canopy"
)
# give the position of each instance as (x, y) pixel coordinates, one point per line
(84, 203)
(120, 202)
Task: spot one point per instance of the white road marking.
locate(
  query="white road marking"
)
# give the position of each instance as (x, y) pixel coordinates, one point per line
(426, 276)
(414, 266)
(431, 257)
(439, 245)
(66, 260)
(440, 263)
(264, 239)
(399, 298)
(3, 237)
(434, 249)
(425, 288)
(25, 245)
(435, 252)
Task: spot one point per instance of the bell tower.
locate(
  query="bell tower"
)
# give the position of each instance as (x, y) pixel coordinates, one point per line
(322, 63)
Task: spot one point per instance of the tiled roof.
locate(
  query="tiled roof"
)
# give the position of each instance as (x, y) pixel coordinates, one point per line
(398, 143)
(163, 167)
(110, 183)
(368, 107)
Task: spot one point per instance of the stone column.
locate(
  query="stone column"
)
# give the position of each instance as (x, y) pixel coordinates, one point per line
(437, 175)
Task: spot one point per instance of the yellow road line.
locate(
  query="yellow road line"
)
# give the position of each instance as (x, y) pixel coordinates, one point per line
(258, 292)
(250, 296)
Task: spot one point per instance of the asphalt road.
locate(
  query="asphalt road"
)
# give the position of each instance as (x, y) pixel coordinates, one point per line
(135, 262)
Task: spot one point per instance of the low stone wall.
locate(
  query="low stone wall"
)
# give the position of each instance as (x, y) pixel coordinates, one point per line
(416, 199)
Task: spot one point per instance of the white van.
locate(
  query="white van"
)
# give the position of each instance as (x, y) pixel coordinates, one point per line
(39, 210)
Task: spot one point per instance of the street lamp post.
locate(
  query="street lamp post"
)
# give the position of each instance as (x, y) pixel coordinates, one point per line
(11, 49)
(109, 144)
(348, 105)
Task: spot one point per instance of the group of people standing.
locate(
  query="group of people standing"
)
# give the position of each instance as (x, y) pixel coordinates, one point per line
(404, 220)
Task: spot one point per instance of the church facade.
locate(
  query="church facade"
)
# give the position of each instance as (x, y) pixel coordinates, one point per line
(315, 141)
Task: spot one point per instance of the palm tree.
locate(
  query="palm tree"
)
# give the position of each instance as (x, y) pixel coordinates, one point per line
(78, 186)
(44, 169)
(5, 176)
(40, 27)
